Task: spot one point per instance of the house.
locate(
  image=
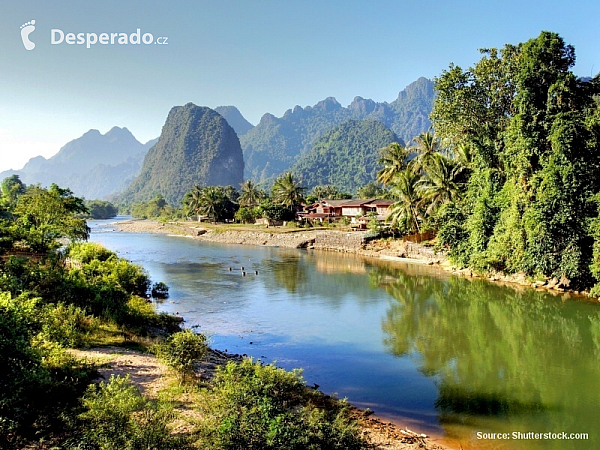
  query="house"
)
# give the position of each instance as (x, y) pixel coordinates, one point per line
(332, 210)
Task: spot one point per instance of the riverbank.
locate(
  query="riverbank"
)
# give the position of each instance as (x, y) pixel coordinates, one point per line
(318, 239)
(152, 377)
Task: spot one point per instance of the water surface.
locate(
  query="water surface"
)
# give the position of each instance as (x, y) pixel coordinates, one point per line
(448, 355)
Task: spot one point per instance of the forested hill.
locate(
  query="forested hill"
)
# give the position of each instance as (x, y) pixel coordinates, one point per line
(275, 144)
(196, 146)
(345, 156)
(94, 165)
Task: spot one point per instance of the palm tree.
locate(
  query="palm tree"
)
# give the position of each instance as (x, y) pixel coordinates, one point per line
(287, 192)
(193, 199)
(212, 202)
(443, 182)
(393, 158)
(251, 195)
(405, 213)
(426, 146)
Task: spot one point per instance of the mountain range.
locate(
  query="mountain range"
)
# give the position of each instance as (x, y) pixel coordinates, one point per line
(93, 166)
(275, 144)
(97, 166)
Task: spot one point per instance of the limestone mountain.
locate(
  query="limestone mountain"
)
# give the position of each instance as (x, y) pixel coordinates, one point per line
(94, 165)
(234, 118)
(345, 156)
(275, 144)
(196, 146)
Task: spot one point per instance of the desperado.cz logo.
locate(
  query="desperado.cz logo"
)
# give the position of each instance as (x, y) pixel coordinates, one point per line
(58, 36)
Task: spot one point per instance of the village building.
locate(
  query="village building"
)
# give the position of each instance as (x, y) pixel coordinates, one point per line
(353, 209)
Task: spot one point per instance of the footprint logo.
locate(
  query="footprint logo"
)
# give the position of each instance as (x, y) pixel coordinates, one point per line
(26, 30)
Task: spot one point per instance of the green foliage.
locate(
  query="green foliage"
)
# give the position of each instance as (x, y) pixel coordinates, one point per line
(152, 209)
(101, 209)
(526, 128)
(67, 325)
(329, 192)
(251, 195)
(255, 406)
(22, 377)
(346, 156)
(85, 252)
(246, 214)
(372, 190)
(181, 351)
(117, 417)
(11, 189)
(45, 215)
(287, 192)
(214, 202)
(276, 213)
(394, 159)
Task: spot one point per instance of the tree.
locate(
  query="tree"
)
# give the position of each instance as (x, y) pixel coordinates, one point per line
(372, 190)
(212, 202)
(443, 182)
(192, 199)
(12, 187)
(529, 127)
(45, 215)
(251, 195)
(330, 192)
(405, 213)
(427, 145)
(393, 159)
(287, 192)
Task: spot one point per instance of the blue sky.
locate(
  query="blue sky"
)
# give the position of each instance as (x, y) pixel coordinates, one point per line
(261, 56)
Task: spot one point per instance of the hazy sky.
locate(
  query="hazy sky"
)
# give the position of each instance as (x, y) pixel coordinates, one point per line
(261, 56)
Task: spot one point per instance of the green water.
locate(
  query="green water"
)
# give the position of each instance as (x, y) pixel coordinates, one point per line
(443, 354)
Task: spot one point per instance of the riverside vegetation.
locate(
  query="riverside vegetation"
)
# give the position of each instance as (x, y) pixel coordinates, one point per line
(54, 298)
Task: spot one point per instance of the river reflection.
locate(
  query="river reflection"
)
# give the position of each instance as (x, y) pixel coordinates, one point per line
(444, 354)
(505, 360)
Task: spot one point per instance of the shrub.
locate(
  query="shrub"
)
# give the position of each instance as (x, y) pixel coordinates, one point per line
(181, 351)
(67, 325)
(119, 418)
(88, 251)
(160, 290)
(255, 406)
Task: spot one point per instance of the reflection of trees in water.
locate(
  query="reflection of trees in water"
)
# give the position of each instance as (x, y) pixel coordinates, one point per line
(496, 351)
(319, 275)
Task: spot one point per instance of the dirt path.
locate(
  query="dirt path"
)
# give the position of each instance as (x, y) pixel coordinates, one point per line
(151, 376)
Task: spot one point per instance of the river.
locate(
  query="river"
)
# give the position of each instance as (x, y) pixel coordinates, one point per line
(443, 354)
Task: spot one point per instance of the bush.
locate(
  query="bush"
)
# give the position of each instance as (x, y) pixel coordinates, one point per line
(85, 252)
(160, 290)
(119, 418)
(67, 325)
(181, 351)
(255, 406)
